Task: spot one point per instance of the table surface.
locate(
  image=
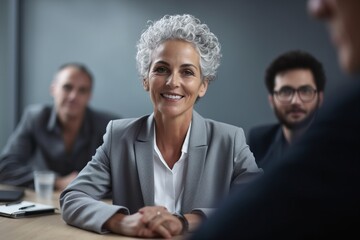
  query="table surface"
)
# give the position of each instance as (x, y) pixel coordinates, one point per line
(49, 226)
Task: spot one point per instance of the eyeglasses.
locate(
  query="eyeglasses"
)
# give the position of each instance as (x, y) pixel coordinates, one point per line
(286, 94)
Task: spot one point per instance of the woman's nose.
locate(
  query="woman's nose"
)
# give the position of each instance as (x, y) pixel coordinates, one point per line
(173, 80)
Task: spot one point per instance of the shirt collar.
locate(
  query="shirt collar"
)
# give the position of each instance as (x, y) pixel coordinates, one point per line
(185, 145)
(53, 123)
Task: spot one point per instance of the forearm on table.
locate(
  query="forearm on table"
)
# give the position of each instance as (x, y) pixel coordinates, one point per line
(15, 174)
(112, 224)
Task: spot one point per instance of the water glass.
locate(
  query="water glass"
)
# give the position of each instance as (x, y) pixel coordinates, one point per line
(44, 184)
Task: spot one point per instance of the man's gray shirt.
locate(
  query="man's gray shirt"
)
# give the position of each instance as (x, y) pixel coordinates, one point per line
(37, 143)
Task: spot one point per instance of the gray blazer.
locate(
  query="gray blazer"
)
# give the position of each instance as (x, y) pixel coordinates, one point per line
(218, 158)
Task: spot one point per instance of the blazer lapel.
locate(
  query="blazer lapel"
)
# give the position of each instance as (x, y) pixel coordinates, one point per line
(195, 166)
(144, 147)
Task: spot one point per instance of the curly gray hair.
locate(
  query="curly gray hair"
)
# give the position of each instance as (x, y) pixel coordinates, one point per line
(184, 27)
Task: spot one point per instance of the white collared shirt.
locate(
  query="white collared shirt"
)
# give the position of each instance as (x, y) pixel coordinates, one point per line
(169, 183)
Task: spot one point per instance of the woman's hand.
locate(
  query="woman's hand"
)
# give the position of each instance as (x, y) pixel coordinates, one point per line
(129, 225)
(150, 222)
(159, 220)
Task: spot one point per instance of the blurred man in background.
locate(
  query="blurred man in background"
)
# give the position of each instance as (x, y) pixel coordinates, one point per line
(295, 81)
(61, 138)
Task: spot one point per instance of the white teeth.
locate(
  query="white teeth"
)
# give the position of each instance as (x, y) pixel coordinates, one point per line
(172, 96)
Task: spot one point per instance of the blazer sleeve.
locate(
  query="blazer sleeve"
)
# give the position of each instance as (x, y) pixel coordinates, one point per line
(245, 168)
(80, 201)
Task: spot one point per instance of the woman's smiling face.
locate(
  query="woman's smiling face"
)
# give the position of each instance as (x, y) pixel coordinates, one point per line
(174, 80)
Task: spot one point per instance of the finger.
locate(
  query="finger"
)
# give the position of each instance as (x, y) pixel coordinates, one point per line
(149, 214)
(171, 223)
(143, 209)
(146, 232)
(152, 208)
(164, 232)
(156, 221)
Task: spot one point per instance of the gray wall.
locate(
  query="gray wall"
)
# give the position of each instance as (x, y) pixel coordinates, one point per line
(4, 66)
(103, 34)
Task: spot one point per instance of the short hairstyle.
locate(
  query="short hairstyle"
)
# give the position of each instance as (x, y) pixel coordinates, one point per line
(81, 67)
(296, 59)
(183, 27)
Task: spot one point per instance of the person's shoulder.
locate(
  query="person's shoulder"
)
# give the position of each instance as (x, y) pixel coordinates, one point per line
(128, 125)
(126, 122)
(218, 127)
(37, 111)
(221, 125)
(262, 135)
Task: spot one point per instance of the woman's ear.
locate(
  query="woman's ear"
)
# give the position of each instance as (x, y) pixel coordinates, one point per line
(203, 88)
(146, 84)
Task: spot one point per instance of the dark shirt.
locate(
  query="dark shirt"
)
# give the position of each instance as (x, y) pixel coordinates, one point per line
(267, 143)
(37, 143)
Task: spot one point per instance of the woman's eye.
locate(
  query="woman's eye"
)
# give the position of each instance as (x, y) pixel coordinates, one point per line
(189, 72)
(160, 70)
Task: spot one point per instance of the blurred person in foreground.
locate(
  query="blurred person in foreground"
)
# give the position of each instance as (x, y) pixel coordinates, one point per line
(314, 192)
(295, 81)
(61, 137)
(169, 169)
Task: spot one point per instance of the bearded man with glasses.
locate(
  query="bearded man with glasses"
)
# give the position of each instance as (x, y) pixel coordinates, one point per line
(295, 81)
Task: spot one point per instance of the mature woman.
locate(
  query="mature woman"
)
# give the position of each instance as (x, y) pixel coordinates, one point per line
(167, 170)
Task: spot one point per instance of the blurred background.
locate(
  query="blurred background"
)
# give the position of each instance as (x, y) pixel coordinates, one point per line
(37, 36)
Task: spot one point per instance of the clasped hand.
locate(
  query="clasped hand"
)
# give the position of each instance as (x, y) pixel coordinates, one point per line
(152, 221)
